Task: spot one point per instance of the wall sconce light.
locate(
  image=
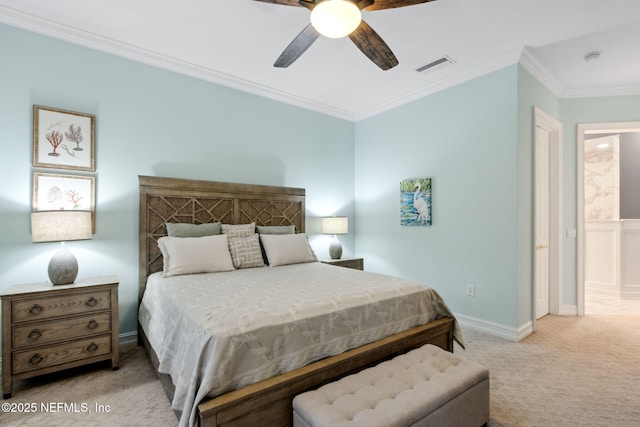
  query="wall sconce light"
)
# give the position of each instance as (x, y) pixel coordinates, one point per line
(335, 225)
(61, 226)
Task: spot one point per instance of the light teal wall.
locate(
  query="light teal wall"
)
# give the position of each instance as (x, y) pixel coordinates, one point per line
(473, 140)
(531, 93)
(439, 136)
(152, 122)
(465, 139)
(572, 113)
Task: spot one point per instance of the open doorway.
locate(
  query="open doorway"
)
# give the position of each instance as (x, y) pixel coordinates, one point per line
(608, 210)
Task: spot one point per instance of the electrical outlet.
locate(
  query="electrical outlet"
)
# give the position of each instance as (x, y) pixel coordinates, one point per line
(471, 290)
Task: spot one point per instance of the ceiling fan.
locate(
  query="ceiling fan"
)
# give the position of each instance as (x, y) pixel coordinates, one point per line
(340, 18)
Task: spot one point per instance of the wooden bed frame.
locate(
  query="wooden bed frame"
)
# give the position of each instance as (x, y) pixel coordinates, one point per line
(267, 402)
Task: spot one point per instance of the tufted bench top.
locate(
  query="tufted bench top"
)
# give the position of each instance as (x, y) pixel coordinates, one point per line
(398, 392)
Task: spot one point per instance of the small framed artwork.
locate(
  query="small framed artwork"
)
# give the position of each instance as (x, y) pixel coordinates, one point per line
(415, 201)
(63, 139)
(52, 192)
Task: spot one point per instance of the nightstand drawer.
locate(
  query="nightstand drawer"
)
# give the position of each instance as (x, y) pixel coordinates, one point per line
(47, 328)
(30, 360)
(355, 263)
(46, 308)
(60, 330)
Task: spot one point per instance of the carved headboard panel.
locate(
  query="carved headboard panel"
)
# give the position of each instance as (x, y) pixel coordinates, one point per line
(197, 202)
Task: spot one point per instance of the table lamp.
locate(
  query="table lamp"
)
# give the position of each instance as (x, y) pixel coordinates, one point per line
(61, 226)
(335, 225)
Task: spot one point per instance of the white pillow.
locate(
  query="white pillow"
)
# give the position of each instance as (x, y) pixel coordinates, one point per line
(283, 249)
(188, 255)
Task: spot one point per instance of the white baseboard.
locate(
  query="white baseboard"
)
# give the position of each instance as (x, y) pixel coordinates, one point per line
(128, 338)
(496, 329)
(568, 310)
(525, 330)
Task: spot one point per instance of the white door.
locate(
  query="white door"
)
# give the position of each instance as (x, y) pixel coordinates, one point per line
(541, 256)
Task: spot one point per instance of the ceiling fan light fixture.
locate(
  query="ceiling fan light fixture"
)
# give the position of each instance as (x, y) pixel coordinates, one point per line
(335, 18)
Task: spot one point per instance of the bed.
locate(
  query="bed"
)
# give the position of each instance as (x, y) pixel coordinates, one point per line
(257, 386)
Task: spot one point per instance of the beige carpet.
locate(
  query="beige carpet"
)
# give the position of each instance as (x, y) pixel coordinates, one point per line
(571, 372)
(133, 393)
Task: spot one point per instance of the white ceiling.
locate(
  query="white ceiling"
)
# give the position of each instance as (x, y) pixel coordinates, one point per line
(235, 42)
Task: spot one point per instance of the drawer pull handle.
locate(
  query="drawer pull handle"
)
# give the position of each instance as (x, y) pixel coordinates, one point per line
(92, 324)
(35, 334)
(35, 359)
(35, 309)
(92, 347)
(91, 302)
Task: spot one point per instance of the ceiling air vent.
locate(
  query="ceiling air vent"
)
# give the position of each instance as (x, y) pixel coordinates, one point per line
(438, 63)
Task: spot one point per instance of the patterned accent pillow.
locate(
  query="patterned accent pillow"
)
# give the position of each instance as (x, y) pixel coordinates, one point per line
(246, 252)
(239, 230)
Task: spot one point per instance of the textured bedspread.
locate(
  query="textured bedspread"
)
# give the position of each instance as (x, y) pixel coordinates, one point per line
(217, 332)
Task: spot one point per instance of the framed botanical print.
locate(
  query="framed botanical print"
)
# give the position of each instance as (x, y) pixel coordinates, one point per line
(63, 139)
(52, 192)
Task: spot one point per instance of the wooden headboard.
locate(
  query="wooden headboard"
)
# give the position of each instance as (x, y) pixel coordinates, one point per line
(197, 202)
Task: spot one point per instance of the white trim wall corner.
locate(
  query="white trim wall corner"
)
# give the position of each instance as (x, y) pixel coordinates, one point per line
(543, 120)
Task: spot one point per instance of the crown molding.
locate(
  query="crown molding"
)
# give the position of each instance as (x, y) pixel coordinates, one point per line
(440, 85)
(76, 36)
(527, 60)
(533, 65)
(598, 92)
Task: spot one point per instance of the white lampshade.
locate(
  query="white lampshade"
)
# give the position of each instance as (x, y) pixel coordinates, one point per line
(335, 18)
(61, 226)
(335, 225)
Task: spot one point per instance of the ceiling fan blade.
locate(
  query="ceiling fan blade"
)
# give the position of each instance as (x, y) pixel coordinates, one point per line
(297, 47)
(284, 2)
(372, 45)
(390, 4)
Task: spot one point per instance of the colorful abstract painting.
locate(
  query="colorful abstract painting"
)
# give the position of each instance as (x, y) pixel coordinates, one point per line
(415, 201)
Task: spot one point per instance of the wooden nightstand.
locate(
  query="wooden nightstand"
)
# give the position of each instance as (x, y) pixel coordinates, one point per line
(47, 328)
(355, 263)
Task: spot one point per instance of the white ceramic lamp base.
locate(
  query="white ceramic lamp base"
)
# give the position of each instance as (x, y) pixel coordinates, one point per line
(335, 249)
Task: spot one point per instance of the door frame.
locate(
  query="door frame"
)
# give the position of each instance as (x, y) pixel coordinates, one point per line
(614, 127)
(556, 221)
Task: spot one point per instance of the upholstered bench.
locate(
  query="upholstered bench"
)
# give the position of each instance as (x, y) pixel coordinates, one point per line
(425, 387)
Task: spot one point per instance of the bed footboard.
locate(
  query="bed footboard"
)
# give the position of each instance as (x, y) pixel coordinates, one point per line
(269, 402)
